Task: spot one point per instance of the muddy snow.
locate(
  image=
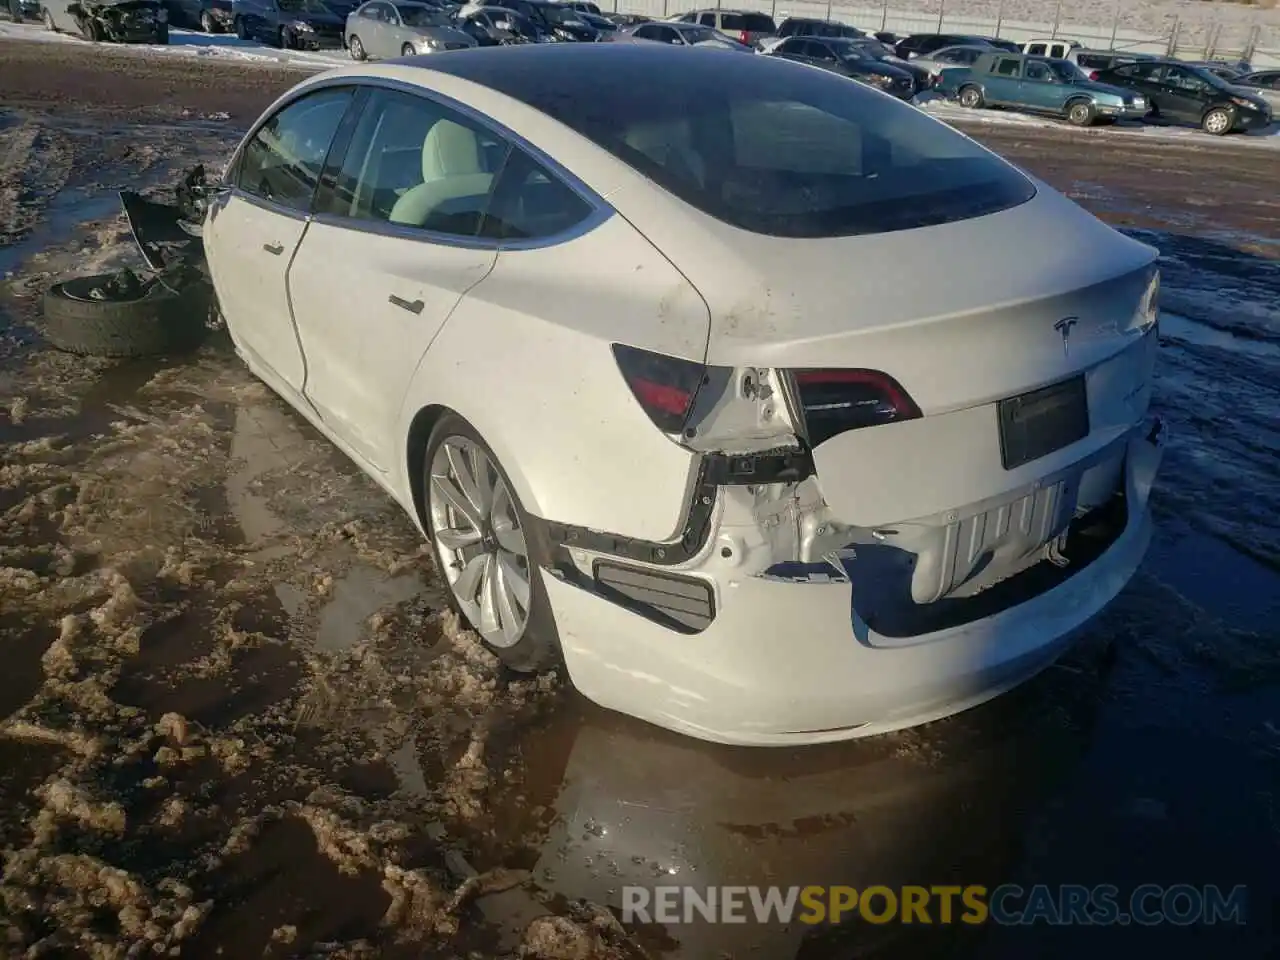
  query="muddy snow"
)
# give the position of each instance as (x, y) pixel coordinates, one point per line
(238, 720)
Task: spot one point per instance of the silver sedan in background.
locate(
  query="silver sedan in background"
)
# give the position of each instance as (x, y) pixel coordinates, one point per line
(381, 28)
(685, 35)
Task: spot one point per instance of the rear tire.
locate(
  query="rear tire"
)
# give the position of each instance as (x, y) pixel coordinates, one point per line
(206, 23)
(1218, 122)
(356, 48)
(970, 97)
(457, 458)
(1081, 113)
(407, 50)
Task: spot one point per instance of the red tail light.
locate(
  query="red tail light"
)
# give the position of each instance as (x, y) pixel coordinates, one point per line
(744, 37)
(834, 401)
(664, 386)
(1093, 74)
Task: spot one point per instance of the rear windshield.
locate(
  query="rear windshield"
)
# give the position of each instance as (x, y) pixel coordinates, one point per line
(782, 149)
(751, 22)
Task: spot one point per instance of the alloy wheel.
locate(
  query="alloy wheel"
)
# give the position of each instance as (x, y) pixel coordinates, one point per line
(1217, 121)
(479, 542)
(355, 48)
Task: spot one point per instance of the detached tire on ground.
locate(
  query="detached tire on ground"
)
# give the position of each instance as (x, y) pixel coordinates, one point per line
(159, 321)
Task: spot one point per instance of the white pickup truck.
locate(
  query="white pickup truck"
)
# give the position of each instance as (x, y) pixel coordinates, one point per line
(1053, 49)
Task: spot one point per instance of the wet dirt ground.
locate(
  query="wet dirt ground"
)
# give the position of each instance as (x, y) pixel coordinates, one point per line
(236, 719)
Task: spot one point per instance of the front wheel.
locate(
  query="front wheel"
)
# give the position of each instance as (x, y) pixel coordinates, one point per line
(1080, 113)
(477, 528)
(356, 48)
(207, 24)
(1218, 121)
(970, 97)
(48, 22)
(407, 50)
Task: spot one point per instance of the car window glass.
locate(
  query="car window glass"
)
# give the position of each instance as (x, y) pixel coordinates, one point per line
(1008, 67)
(1270, 81)
(732, 21)
(1036, 49)
(820, 51)
(707, 19)
(529, 202)
(1182, 80)
(414, 163)
(1037, 70)
(283, 160)
(788, 28)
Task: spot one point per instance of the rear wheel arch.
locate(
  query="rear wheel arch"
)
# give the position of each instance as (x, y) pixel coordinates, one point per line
(417, 436)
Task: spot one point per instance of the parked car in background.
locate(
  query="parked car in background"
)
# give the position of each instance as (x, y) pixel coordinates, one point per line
(849, 58)
(1265, 83)
(288, 24)
(1220, 70)
(381, 29)
(1094, 61)
(582, 6)
(498, 26)
(887, 37)
(685, 35)
(960, 56)
(746, 26)
(109, 21)
(599, 22)
(1180, 93)
(922, 44)
(1053, 49)
(558, 20)
(211, 16)
(1010, 45)
(1040, 85)
(810, 27)
(20, 10)
(886, 54)
(485, 219)
(628, 19)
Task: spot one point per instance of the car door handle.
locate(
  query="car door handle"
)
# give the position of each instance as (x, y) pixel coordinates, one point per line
(274, 248)
(413, 306)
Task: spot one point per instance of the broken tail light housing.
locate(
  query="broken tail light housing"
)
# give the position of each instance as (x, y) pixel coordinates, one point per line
(664, 386)
(836, 400)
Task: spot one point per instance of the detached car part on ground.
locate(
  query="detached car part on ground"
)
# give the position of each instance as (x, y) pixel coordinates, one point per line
(124, 315)
(650, 366)
(110, 21)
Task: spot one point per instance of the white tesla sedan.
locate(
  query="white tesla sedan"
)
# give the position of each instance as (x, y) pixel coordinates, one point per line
(780, 411)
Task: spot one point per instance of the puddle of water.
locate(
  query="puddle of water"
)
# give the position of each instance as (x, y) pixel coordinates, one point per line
(357, 596)
(1178, 327)
(65, 212)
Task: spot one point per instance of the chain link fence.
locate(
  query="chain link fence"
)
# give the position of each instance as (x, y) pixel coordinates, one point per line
(1189, 39)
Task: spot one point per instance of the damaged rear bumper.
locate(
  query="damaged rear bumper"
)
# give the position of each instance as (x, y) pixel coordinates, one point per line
(784, 662)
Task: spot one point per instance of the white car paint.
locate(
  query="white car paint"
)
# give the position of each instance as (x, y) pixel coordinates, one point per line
(516, 339)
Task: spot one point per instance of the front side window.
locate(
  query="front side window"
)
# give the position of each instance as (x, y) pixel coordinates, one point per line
(283, 160)
(416, 164)
(1007, 67)
(801, 153)
(1036, 49)
(529, 202)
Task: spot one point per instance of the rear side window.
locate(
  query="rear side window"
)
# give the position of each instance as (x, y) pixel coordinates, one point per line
(529, 202)
(283, 160)
(1093, 62)
(416, 164)
(1007, 67)
(1036, 49)
(798, 153)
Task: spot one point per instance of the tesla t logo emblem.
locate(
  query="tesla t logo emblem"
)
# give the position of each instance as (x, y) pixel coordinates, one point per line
(1064, 326)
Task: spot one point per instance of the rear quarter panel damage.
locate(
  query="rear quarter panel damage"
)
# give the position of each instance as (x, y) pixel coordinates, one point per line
(526, 358)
